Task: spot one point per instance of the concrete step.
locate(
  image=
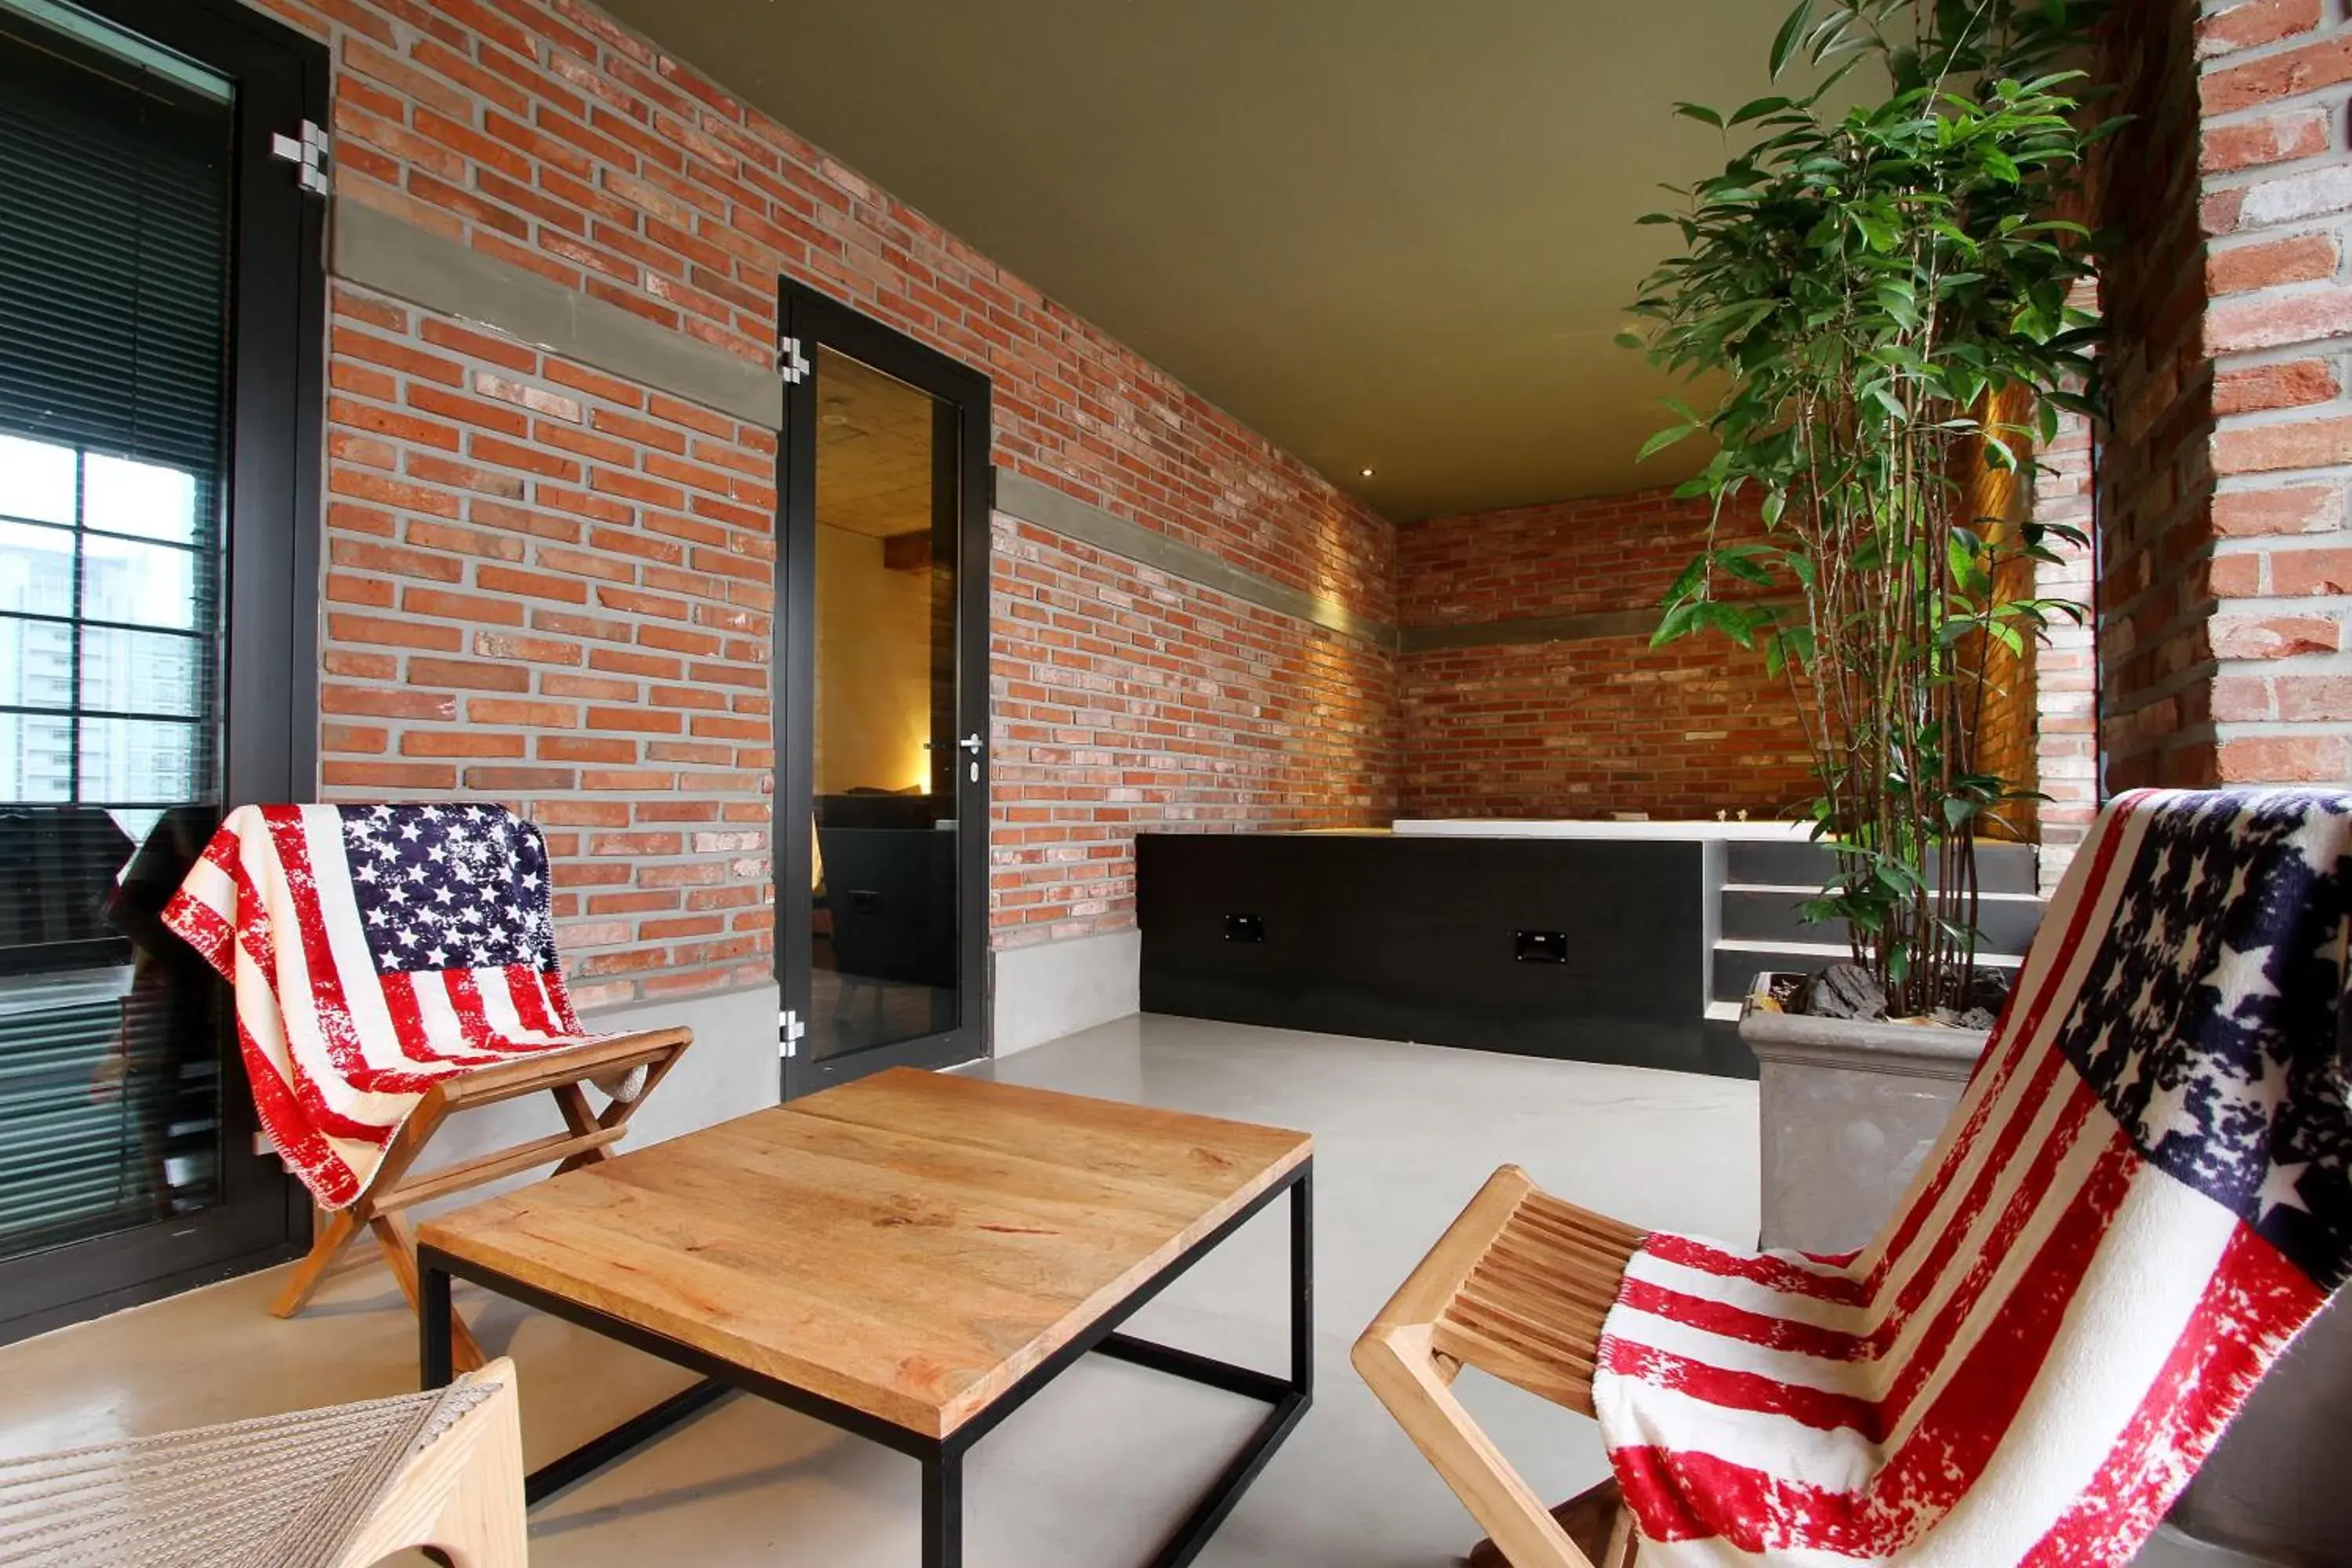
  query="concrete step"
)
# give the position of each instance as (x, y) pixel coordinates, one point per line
(1761, 912)
(1738, 961)
(2002, 867)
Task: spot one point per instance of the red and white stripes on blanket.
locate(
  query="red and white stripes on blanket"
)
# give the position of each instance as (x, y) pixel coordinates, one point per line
(373, 950)
(2141, 1199)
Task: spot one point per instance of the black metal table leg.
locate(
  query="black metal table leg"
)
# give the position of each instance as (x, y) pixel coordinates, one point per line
(1290, 1399)
(943, 1507)
(435, 1350)
(1302, 1282)
(629, 1435)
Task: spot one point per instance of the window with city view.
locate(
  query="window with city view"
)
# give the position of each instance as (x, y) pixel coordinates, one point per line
(107, 587)
(115, 252)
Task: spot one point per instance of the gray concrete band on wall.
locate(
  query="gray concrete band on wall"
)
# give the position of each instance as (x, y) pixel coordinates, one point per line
(379, 251)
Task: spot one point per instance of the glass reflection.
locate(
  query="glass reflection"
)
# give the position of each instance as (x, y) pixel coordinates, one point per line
(109, 1027)
(885, 952)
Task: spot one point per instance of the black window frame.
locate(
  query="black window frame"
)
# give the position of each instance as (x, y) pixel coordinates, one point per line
(268, 679)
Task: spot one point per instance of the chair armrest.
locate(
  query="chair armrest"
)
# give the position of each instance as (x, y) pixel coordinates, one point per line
(573, 1064)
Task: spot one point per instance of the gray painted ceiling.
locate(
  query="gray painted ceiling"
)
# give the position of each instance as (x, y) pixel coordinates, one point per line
(1388, 234)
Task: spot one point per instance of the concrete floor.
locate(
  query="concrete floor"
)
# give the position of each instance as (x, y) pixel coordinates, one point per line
(1095, 1468)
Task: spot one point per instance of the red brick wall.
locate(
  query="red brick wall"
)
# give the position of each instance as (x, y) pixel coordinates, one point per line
(2065, 763)
(1588, 726)
(539, 559)
(550, 588)
(1126, 698)
(2226, 569)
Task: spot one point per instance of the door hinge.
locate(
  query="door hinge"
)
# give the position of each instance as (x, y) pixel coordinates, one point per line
(789, 1030)
(310, 152)
(791, 363)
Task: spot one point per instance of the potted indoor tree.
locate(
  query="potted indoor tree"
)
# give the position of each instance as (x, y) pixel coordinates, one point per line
(1885, 298)
(1879, 295)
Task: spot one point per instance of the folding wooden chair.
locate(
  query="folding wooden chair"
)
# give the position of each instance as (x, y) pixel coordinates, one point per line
(343, 1487)
(1518, 1287)
(588, 1137)
(2144, 1177)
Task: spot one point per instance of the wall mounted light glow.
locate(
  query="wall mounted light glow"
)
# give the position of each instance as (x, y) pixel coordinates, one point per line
(1368, 473)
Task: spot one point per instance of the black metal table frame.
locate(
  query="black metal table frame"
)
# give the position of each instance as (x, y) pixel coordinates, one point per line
(942, 1457)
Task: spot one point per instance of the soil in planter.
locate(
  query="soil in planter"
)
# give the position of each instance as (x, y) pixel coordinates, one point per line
(1847, 991)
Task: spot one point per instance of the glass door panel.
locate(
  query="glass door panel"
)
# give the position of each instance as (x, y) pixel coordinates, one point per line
(882, 814)
(160, 317)
(112, 476)
(883, 922)
(109, 783)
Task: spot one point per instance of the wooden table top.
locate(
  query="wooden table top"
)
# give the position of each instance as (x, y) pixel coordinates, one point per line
(909, 1245)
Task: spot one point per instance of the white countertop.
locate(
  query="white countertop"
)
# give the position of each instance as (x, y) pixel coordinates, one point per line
(1556, 827)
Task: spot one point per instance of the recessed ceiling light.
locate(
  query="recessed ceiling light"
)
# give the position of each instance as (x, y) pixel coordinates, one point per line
(1368, 473)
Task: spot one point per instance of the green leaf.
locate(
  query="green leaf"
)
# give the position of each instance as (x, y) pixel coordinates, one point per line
(1756, 108)
(1661, 440)
(1687, 583)
(1678, 622)
(1700, 112)
(1732, 620)
(1896, 297)
(1876, 233)
(1961, 561)
(1784, 44)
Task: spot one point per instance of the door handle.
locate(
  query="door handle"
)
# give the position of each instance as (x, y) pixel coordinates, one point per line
(970, 742)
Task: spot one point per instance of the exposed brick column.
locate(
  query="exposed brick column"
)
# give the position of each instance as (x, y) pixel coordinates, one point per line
(2066, 677)
(2227, 570)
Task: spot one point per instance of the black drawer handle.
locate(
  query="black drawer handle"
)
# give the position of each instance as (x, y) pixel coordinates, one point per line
(1540, 946)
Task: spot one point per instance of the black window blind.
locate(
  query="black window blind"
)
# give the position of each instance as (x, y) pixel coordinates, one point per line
(113, 255)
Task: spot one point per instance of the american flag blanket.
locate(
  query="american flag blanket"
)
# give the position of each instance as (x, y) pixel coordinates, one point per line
(373, 949)
(2144, 1194)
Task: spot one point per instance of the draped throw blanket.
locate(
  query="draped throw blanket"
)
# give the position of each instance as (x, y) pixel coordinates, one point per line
(373, 950)
(2142, 1196)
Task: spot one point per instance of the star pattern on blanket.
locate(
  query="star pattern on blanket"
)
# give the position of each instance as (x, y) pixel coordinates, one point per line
(448, 887)
(2215, 1037)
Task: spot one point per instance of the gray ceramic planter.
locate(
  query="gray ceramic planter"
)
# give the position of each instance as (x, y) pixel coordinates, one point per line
(1850, 1110)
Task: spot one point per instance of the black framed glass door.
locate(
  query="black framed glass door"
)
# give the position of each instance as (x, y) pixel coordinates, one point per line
(882, 699)
(161, 298)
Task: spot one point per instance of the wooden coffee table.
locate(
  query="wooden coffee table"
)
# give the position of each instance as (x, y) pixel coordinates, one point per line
(909, 1257)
